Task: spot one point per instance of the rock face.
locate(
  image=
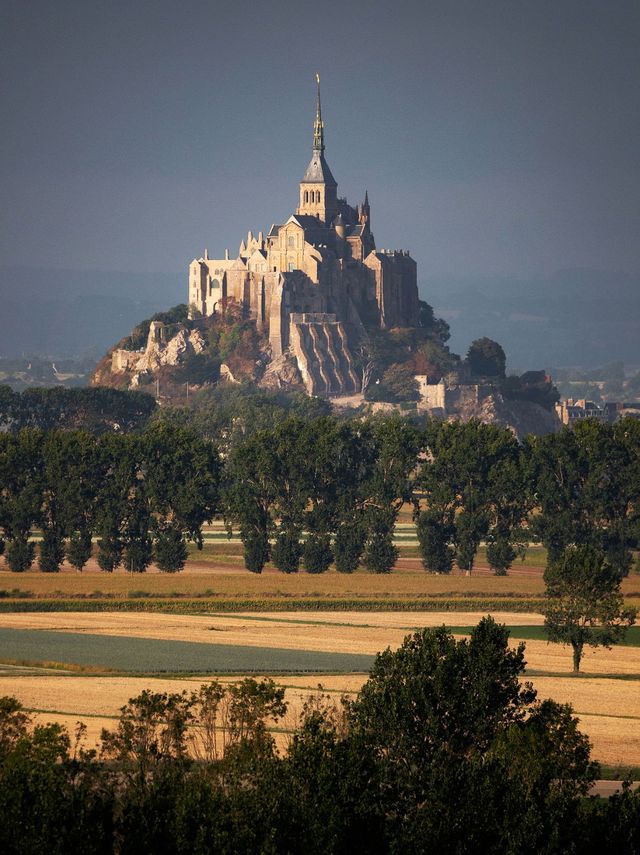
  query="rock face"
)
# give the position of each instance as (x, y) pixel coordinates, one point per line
(283, 373)
(161, 350)
(521, 417)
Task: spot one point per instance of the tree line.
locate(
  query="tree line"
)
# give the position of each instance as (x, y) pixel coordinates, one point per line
(142, 495)
(95, 409)
(444, 749)
(317, 491)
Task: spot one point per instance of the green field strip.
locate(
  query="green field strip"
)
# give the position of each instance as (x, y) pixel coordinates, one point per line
(143, 655)
(581, 675)
(606, 715)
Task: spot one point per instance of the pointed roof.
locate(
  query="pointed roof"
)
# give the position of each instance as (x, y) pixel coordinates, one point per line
(318, 171)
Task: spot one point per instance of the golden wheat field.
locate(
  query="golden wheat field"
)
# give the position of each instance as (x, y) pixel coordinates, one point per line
(400, 583)
(608, 707)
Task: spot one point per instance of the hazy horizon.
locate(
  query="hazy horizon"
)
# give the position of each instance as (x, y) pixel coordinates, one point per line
(498, 141)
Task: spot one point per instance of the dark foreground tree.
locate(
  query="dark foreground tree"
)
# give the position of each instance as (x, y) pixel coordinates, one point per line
(584, 604)
(466, 757)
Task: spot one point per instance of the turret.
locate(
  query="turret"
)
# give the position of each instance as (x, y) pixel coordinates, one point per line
(364, 211)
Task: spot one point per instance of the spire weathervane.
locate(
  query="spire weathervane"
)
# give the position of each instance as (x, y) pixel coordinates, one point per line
(318, 125)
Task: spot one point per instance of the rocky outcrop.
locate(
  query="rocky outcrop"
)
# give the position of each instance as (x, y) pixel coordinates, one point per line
(161, 350)
(283, 373)
(521, 417)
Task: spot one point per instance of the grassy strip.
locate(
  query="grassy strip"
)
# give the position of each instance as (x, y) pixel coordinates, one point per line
(581, 675)
(539, 633)
(620, 773)
(274, 604)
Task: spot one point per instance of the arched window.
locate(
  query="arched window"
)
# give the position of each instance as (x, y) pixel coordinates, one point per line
(292, 241)
(306, 195)
(318, 196)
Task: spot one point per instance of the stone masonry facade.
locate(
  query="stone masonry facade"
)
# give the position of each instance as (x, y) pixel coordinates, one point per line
(315, 283)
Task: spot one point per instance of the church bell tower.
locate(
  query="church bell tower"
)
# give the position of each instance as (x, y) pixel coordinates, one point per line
(318, 188)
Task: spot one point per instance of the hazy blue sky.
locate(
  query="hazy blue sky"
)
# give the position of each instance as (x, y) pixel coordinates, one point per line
(496, 137)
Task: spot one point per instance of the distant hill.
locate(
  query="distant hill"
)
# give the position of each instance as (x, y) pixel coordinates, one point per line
(574, 317)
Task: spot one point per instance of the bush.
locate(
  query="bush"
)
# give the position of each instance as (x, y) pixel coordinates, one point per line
(348, 546)
(317, 554)
(20, 554)
(287, 551)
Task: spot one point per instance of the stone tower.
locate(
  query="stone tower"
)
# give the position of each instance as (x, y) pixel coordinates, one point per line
(318, 188)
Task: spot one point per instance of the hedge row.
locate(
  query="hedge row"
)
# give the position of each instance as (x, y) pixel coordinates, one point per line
(199, 606)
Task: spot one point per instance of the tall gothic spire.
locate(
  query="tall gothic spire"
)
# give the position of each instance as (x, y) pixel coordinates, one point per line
(318, 125)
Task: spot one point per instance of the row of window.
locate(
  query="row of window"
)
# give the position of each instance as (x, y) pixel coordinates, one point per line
(311, 196)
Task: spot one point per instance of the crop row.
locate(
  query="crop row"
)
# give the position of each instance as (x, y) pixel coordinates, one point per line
(275, 604)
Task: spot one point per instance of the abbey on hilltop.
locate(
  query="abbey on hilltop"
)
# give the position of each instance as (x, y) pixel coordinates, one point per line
(314, 283)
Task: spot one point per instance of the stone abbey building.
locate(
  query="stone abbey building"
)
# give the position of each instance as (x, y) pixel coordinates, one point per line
(314, 283)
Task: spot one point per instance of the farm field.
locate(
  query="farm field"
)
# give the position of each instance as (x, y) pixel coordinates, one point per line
(605, 697)
(401, 583)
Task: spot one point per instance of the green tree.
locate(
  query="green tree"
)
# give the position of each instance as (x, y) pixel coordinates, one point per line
(317, 554)
(21, 485)
(435, 534)
(181, 486)
(475, 482)
(452, 730)
(584, 605)
(169, 548)
(248, 495)
(389, 485)
(349, 545)
(287, 550)
(397, 385)
(587, 489)
(486, 358)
